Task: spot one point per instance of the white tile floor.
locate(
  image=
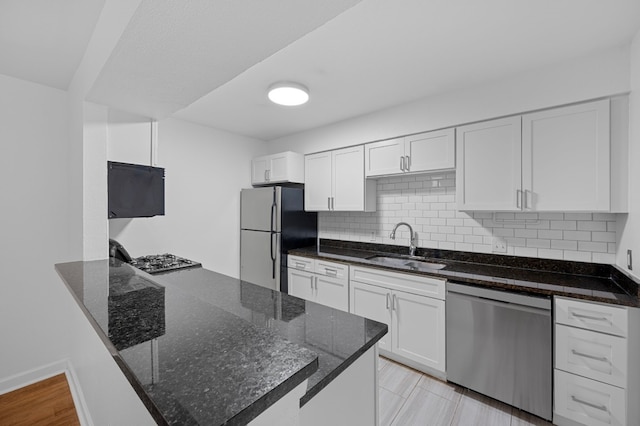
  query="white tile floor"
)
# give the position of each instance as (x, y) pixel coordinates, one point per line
(408, 397)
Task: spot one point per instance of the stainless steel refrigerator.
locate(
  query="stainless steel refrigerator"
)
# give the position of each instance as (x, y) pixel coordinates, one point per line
(272, 222)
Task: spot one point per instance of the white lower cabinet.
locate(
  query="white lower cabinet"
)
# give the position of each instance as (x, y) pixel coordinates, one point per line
(406, 304)
(597, 374)
(319, 281)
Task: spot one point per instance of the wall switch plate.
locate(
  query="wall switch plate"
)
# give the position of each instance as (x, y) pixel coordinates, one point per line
(629, 260)
(499, 245)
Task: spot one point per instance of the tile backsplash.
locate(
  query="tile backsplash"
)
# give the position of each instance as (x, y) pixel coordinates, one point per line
(427, 203)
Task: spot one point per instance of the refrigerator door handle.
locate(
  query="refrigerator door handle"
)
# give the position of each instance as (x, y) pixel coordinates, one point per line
(273, 256)
(274, 206)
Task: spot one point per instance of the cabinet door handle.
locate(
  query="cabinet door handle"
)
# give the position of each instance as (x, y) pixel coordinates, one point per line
(311, 281)
(388, 297)
(402, 163)
(265, 176)
(590, 317)
(597, 358)
(393, 303)
(330, 271)
(332, 201)
(590, 404)
(407, 163)
(526, 198)
(329, 203)
(518, 198)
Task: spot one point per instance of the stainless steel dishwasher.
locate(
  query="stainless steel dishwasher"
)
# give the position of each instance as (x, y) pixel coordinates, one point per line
(500, 344)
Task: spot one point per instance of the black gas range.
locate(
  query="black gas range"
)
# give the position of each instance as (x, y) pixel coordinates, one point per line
(157, 263)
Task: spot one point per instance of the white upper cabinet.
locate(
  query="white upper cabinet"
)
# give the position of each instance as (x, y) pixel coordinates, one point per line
(334, 181)
(561, 159)
(424, 152)
(565, 158)
(488, 176)
(278, 168)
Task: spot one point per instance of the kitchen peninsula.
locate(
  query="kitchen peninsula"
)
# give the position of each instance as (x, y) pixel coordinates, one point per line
(204, 348)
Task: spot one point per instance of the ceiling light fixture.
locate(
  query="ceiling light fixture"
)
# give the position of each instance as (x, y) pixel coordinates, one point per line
(288, 94)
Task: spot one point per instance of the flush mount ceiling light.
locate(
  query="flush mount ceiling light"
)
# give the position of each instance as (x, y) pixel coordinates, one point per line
(288, 94)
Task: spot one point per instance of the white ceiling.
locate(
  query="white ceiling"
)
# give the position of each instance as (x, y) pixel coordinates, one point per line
(212, 60)
(43, 41)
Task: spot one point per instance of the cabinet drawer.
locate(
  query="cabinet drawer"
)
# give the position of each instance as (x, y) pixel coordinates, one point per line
(589, 402)
(416, 284)
(332, 269)
(592, 316)
(301, 263)
(591, 354)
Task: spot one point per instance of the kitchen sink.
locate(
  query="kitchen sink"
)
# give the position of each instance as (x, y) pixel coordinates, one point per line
(406, 263)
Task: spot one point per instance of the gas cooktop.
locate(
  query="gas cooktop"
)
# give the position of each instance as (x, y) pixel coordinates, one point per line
(157, 263)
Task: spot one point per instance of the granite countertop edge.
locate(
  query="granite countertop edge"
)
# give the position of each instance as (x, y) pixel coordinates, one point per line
(535, 287)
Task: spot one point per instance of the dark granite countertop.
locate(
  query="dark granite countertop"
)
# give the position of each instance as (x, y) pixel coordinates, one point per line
(203, 348)
(594, 282)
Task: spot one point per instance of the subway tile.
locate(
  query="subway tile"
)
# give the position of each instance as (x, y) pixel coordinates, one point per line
(540, 224)
(526, 233)
(609, 258)
(551, 216)
(464, 246)
(516, 242)
(447, 245)
(605, 237)
(550, 254)
(439, 237)
(538, 243)
(577, 235)
(550, 234)
(473, 239)
(526, 216)
(455, 222)
(504, 232)
(446, 229)
(482, 248)
(577, 256)
(526, 251)
(612, 247)
(463, 230)
(578, 216)
(455, 238)
(482, 215)
(591, 226)
(568, 225)
(593, 247)
(605, 216)
(564, 245)
(447, 214)
(612, 226)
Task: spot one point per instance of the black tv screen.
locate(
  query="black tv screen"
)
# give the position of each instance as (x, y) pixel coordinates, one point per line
(135, 190)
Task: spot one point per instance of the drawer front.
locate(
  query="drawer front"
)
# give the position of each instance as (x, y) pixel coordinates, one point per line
(332, 269)
(415, 284)
(591, 354)
(592, 316)
(589, 402)
(301, 263)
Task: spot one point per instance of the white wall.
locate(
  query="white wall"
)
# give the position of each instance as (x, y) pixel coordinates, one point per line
(601, 74)
(629, 228)
(40, 323)
(205, 169)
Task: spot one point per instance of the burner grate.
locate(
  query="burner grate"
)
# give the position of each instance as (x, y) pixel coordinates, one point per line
(154, 264)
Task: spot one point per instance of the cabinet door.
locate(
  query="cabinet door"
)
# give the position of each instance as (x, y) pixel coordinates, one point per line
(431, 151)
(418, 329)
(348, 179)
(317, 177)
(488, 165)
(565, 158)
(278, 168)
(384, 157)
(372, 302)
(333, 292)
(301, 284)
(259, 167)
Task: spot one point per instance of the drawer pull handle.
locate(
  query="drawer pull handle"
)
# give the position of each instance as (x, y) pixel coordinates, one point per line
(590, 317)
(300, 265)
(333, 272)
(597, 358)
(596, 406)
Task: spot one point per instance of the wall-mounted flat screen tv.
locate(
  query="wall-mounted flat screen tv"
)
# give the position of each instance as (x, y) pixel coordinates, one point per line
(135, 190)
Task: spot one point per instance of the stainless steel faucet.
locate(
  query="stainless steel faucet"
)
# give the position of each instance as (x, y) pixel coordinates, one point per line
(412, 244)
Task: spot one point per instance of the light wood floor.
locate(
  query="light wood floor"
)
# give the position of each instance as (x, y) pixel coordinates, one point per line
(408, 397)
(48, 402)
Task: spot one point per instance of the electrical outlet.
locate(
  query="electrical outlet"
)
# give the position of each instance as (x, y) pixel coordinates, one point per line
(372, 236)
(499, 245)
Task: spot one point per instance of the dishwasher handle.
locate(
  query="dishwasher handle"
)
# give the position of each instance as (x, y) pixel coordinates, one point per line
(506, 305)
